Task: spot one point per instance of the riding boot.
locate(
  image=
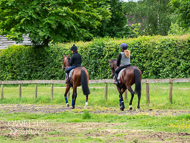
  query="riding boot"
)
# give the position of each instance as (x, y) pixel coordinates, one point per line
(115, 79)
(67, 78)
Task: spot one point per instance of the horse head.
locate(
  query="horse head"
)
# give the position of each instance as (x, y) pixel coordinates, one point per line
(113, 66)
(65, 61)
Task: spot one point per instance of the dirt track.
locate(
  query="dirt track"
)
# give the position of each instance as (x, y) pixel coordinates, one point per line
(95, 132)
(30, 108)
(88, 131)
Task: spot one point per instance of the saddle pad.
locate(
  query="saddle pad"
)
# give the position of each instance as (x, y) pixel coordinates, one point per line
(120, 73)
(70, 73)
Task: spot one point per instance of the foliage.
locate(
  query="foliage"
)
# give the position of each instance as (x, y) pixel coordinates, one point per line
(182, 10)
(175, 29)
(129, 7)
(48, 20)
(86, 115)
(153, 16)
(117, 26)
(156, 56)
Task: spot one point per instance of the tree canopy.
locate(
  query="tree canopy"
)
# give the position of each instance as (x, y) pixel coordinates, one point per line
(55, 21)
(182, 10)
(152, 14)
(117, 26)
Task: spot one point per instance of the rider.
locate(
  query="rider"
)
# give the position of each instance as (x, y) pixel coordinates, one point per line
(123, 61)
(75, 61)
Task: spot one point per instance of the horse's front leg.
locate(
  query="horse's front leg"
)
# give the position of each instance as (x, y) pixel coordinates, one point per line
(132, 95)
(66, 91)
(121, 102)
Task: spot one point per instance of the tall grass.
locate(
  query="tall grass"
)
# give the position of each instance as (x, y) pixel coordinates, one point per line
(159, 95)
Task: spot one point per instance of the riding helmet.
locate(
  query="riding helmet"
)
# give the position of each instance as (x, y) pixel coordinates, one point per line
(124, 46)
(74, 48)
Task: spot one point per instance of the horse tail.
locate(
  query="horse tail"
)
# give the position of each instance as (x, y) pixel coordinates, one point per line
(84, 83)
(137, 81)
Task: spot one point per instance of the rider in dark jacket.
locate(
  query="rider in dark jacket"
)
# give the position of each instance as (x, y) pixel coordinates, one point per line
(123, 61)
(75, 61)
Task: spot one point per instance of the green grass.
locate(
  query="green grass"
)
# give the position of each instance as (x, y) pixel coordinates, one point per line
(159, 96)
(175, 124)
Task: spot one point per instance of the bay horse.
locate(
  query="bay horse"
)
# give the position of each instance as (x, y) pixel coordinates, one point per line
(79, 77)
(129, 76)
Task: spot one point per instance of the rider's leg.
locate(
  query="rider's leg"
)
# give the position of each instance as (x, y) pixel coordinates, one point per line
(67, 77)
(116, 74)
(67, 74)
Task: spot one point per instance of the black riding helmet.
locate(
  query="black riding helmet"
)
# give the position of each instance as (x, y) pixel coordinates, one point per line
(74, 48)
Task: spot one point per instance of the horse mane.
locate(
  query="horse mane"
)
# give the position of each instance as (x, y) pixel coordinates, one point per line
(69, 59)
(113, 60)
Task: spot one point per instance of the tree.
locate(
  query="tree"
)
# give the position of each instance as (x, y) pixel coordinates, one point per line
(152, 14)
(182, 10)
(48, 20)
(117, 26)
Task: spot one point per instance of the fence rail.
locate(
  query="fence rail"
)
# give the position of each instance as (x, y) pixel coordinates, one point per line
(106, 81)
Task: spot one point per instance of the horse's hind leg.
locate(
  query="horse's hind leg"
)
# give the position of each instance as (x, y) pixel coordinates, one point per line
(139, 98)
(66, 91)
(132, 95)
(74, 96)
(86, 104)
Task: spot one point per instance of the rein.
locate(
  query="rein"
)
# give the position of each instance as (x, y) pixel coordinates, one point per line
(65, 67)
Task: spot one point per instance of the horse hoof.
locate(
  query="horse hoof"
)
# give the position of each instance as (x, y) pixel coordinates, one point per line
(73, 107)
(67, 104)
(121, 108)
(137, 110)
(130, 107)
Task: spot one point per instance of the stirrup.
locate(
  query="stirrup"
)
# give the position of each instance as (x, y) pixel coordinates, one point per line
(115, 82)
(67, 81)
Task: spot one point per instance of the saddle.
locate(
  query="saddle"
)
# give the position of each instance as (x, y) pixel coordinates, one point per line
(120, 73)
(70, 73)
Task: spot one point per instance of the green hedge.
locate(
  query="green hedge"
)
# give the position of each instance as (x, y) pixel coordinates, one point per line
(156, 56)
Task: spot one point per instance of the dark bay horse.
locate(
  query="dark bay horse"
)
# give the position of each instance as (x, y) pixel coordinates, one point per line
(130, 75)
(79, 77)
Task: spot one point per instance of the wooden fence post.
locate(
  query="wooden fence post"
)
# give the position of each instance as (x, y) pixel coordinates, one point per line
(147, 93)
(170, 92)
(106, 91)
(36, 90)
(126, 94)
(2, 91)
(51, 92)
(20, 94)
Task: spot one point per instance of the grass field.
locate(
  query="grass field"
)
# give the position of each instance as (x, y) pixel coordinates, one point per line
(88, 126)
(159, 96)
